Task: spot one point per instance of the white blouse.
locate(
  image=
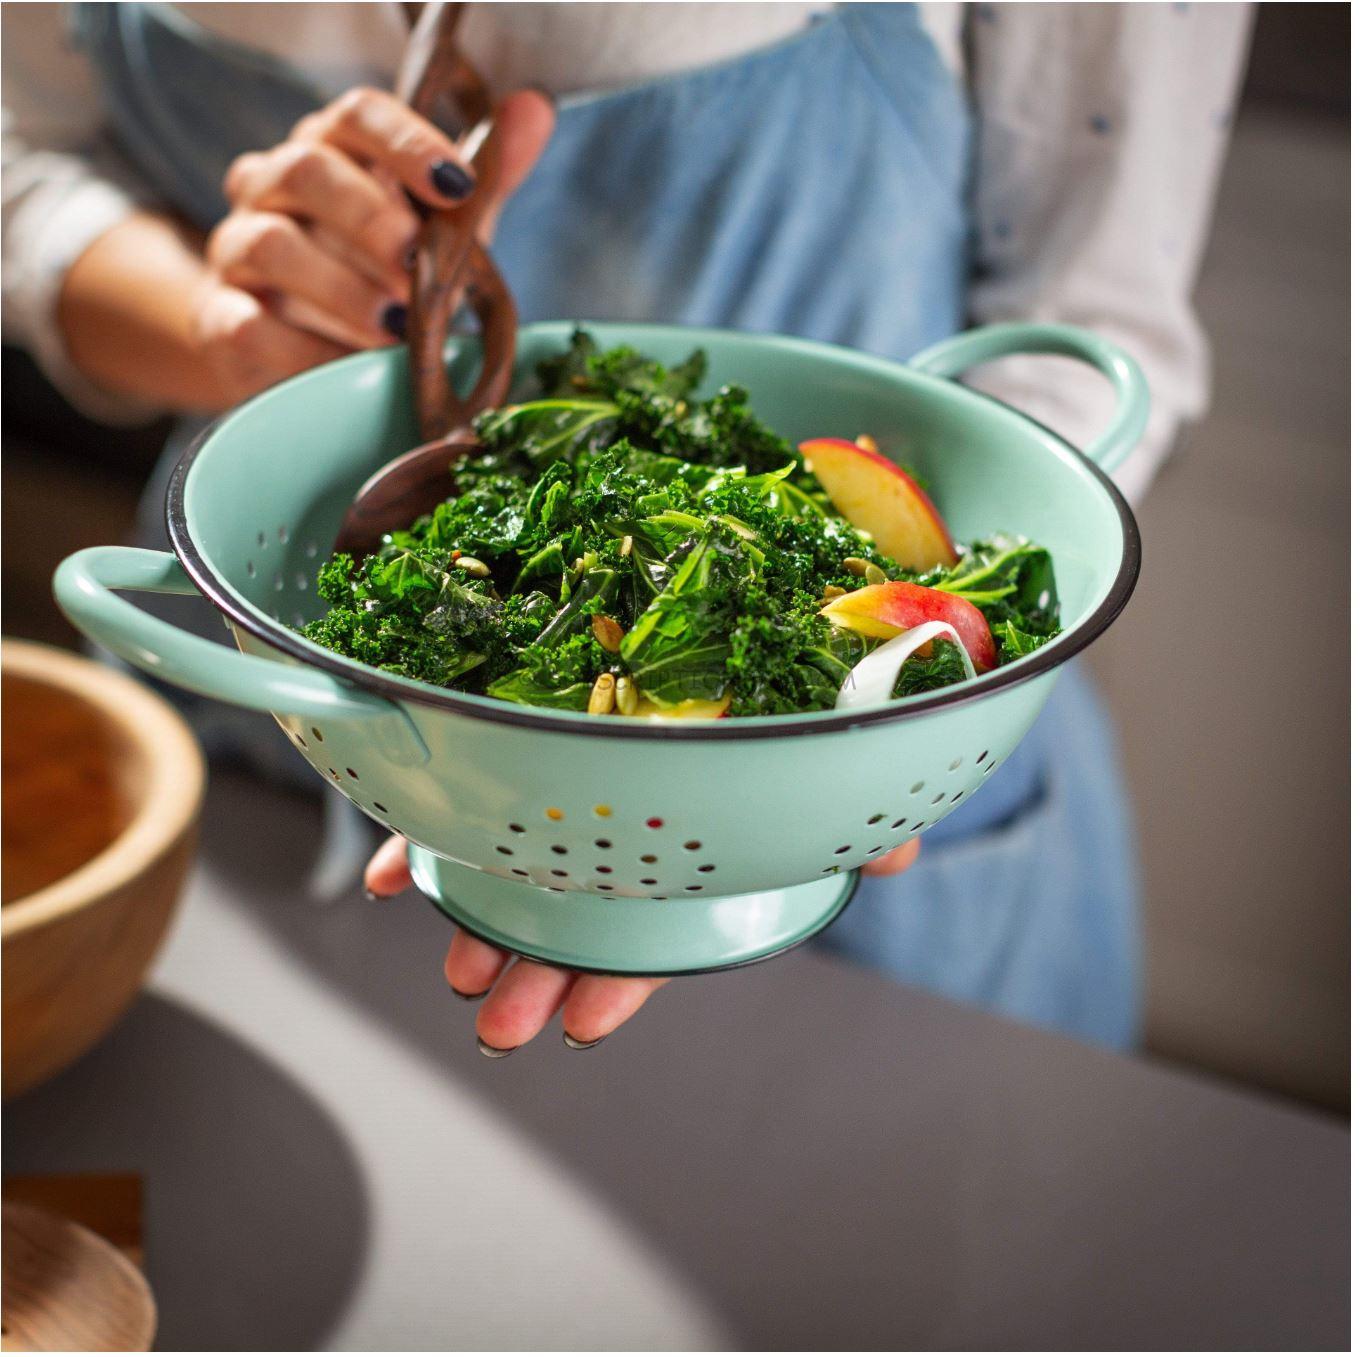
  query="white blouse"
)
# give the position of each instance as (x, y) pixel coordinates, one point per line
(1101, 131)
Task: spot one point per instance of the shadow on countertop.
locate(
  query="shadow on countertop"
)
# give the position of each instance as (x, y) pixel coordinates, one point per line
(233, 1155)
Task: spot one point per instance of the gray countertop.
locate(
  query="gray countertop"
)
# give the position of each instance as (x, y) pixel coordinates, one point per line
(793, 1155)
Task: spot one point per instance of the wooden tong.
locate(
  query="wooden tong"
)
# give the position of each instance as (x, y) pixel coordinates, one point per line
(452, 267)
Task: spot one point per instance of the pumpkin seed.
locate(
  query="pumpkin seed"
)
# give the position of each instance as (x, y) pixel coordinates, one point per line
(607, 631)
(602, 699)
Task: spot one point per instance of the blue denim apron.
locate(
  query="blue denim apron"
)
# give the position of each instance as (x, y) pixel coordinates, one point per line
(818, 187)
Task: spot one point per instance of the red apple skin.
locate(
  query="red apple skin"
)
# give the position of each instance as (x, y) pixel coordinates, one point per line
(874, 494)
(886, 610)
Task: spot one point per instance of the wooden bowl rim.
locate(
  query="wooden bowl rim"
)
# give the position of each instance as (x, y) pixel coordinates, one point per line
(173, 798)
(109, 1255)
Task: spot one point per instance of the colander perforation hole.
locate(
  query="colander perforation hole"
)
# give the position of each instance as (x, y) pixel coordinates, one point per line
(847, 848)
(557, 871)
(659, 897)
(302, 742)
(981, 758)
(896, 824)
(508, 852)
(560, 849)
(261, 538)
(872, 852)
(956, 799)
(302, 581)
(877, 818)
(938, 798)
(603, 843)
(311, 548)
(252, 570)
(333, 773)
(282, 534)
(916, 789)
(956, 764)
(352, 773)
(380, 807)
(553, 813)
(706, 867)
(653, 822)
(916, 827)
(603, 811)
(647, 881)
(988, 767)
(601, 886)
(314, 730)
(648, 857)
(516, 829)
(556, 890)
(603, 869)
(695, 888)
(278, 581)
(519, 871)
(692, 845)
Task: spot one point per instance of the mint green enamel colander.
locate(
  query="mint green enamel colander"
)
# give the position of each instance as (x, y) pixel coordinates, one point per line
(603, 843)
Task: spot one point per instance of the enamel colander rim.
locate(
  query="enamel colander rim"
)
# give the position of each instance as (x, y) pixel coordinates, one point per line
(281, 637)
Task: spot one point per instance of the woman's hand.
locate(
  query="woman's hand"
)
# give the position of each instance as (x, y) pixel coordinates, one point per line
(312, 260)
(309, 264)
(520, 1001)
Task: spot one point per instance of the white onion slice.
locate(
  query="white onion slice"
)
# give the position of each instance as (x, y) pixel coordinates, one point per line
(872, 679)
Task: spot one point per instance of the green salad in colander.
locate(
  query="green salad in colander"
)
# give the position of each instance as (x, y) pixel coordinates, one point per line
(623, 545)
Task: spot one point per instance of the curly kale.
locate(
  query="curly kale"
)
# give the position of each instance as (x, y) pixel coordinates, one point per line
(617, 524)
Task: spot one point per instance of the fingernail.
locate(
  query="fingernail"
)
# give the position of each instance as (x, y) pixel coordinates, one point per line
(573, 1044)
(495, 1052)
(394, 319)
(371, 895)
(451, 180)
(470, 998)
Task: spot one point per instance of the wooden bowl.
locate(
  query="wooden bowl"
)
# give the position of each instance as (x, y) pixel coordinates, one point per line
(68, 1290)
(102, 785)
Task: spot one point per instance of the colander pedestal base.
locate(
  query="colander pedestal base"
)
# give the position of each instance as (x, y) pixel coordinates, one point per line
(622, 936)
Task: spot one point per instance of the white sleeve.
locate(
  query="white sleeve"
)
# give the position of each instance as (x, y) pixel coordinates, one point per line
(1102, 131)
(63, 186)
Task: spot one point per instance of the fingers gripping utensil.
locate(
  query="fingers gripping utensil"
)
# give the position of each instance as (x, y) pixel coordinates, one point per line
(451, 267)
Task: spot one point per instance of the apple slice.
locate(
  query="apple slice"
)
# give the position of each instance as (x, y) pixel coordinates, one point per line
(874, 494)
(886, 610)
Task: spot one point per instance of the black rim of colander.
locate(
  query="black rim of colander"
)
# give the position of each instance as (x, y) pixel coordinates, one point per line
(1037, 663)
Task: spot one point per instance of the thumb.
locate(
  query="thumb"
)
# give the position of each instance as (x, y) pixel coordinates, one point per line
(525, 120)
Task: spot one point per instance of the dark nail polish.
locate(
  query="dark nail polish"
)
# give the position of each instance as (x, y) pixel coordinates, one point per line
(395, 318)
(451, 180)
(470, 998)
(494, 1052)
(572, 1044)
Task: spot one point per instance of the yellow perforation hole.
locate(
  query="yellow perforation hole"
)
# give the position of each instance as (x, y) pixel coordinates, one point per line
(604, 812)
(553, 813)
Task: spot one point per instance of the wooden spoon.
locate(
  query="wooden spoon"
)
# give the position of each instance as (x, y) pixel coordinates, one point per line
(451, 266)
(68, 1290)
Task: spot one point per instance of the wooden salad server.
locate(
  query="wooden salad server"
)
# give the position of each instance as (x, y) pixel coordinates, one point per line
(451, 267)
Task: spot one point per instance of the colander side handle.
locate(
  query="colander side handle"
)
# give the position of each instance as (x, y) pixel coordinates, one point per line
(954, 356)
(84, 585)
